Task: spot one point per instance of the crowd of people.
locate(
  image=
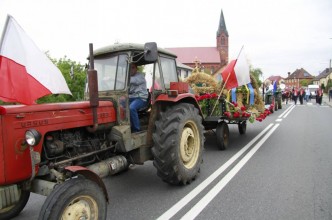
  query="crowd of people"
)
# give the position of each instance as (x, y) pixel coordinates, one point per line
(301, 94)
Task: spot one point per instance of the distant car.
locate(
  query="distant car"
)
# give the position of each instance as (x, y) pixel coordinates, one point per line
(312, 89)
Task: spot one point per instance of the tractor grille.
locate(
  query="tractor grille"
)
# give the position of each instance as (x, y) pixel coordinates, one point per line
(9, 195)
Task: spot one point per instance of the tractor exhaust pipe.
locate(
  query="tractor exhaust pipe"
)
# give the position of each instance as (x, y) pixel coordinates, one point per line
(109, 166)
(93, 90)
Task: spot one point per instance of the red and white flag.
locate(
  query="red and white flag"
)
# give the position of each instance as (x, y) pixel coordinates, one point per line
(236, 73)
(26, 73)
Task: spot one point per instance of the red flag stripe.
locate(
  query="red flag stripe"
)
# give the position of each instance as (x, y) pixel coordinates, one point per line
(15, 81)
(232, 80)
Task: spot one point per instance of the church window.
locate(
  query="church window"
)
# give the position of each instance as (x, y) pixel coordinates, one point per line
(223, 40)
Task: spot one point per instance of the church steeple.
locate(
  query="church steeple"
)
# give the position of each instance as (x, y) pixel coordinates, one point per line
(222, 40)
(222, 26)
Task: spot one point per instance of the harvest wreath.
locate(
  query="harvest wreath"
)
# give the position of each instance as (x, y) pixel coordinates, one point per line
(240, 102)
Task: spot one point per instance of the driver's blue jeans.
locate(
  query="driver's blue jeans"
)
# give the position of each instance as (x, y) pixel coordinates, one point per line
(135, 105)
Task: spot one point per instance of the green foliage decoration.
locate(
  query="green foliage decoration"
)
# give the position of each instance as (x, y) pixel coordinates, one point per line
(75, 76)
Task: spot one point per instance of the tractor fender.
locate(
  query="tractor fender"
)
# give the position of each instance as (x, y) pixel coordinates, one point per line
(89, 175)
(184, 97)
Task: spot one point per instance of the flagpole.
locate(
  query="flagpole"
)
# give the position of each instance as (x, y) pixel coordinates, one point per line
(215, 104)
(226, 82)
(4, 31)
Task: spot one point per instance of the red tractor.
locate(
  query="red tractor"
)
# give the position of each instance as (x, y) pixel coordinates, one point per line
(63, 150)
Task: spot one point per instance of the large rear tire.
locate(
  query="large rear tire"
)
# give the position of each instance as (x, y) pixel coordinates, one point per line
(14, 210)
(77, 198)
(178, 144)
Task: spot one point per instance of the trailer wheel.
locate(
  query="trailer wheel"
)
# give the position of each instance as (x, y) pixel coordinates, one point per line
(242, 127)
(178, 144)
(77, 198)
(222, 133)
(14, 210)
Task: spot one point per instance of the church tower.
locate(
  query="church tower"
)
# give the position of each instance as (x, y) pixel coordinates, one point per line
(222, 41)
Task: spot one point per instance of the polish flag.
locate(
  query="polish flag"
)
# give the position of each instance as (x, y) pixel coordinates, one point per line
(236, 72)
(26, 73)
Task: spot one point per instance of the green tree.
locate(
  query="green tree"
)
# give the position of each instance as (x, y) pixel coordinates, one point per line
(75, 76)
(329, 85)
(305, 82)
(256, 73)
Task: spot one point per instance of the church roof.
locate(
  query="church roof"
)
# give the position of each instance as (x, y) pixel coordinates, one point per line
(202, 54)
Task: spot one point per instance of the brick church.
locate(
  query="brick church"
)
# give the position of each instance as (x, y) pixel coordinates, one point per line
(211, 59)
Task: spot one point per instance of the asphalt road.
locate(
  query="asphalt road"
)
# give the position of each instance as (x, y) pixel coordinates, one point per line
(280, 169)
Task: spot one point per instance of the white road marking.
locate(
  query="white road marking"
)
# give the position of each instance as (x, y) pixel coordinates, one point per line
(190, 196)
(288, 109)
(279, 120)
(194, 212)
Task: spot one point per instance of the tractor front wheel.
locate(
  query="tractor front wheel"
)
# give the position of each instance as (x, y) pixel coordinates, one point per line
(76, 198)
(178, 144)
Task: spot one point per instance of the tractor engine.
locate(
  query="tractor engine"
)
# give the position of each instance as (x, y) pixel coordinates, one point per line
(76, 147)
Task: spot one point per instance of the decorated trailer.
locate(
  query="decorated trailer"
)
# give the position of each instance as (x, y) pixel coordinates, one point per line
(221, 106)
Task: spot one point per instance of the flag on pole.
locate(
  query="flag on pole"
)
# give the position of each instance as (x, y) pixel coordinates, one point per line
(26, 73)
(236, 72)
(275, 86)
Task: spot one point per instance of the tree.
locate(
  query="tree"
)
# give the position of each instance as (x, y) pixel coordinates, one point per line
(75, 76)
(329, 85)
(256, 73)
(75, 82)
(305, 82)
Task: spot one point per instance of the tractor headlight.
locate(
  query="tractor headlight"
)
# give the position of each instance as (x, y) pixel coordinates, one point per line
(32, 137)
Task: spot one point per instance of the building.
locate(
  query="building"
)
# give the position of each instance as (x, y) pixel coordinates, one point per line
(271, 79)
(323, 77)
(183, 70)
(211, 59)
(295, 79)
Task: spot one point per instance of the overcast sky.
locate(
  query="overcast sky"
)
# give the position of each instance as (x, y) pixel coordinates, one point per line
(279, 36)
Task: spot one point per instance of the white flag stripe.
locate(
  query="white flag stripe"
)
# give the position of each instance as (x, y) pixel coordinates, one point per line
(241, 70)
(17, 46)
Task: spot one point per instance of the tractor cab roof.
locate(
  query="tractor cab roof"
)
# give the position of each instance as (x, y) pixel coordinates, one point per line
(124, 47)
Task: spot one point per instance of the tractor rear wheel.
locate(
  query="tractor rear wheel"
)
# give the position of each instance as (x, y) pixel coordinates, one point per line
(178, 144)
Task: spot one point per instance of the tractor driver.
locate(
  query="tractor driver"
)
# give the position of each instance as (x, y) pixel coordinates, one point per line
(138, 95)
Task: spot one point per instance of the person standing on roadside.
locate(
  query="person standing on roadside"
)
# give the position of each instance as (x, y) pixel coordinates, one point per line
(301, 95)
(307, 94)
(295, 95)
(319, 96)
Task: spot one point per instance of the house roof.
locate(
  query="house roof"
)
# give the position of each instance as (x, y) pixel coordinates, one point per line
(324, 74)
(300, 74)
(275, 78)
(202, 54)
(183, 66)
